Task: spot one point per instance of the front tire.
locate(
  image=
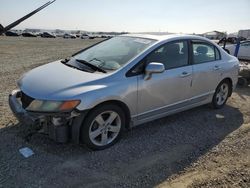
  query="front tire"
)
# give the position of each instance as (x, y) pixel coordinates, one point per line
(103, 127)
(221, 94)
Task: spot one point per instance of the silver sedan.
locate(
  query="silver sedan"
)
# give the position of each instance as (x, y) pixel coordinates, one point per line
(122, 82)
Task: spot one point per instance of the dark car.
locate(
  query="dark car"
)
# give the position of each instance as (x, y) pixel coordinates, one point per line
(28, 34)
(12, 34)
(47, 35)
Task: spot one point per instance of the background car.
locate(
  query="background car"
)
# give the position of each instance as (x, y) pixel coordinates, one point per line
(12, 33)
(84, 36)
(69, 36)
(29, 34)
(244, 50)
(47, 35)
(230, 40)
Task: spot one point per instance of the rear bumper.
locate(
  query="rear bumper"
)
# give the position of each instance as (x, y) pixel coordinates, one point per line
(57, 130)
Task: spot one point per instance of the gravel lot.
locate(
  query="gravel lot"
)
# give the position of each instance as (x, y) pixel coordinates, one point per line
(201, 147)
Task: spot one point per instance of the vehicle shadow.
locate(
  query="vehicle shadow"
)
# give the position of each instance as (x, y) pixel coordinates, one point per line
(146, 156)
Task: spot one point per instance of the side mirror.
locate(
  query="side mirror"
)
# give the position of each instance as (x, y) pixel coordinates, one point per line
(153, 68)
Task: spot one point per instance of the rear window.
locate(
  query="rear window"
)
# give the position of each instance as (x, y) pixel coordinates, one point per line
(204, 52)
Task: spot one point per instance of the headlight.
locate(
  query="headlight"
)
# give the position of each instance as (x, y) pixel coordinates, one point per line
(52, 106)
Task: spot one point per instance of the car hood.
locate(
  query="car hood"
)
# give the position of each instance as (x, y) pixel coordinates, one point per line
(56, 81)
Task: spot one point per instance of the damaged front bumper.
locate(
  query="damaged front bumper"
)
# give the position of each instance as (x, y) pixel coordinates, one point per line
(56, 125)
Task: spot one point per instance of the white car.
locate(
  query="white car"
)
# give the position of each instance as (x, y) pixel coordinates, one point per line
(85, 36)
(244, 50)
(69, 36)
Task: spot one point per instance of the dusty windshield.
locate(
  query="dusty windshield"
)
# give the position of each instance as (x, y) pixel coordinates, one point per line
(114, 53)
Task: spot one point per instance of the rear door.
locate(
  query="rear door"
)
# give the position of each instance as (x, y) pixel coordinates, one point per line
(207, 67)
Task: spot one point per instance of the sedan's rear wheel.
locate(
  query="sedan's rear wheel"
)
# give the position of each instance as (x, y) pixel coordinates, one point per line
(221, 94)
(103, 127)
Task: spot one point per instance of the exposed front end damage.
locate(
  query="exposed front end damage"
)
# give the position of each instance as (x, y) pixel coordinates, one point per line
(61, 127)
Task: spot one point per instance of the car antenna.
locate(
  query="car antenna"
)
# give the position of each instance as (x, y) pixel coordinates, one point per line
(10, 26)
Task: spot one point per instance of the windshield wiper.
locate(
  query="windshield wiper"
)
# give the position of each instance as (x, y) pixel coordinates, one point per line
(74, 67)
(101, 64)
(94, 67)
(95, 59)
(66, 60)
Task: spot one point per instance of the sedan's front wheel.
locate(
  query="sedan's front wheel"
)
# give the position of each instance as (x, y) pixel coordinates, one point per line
(103, 126)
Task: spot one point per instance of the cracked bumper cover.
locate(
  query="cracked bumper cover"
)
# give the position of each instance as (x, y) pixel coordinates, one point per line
(21, 114)
(59, 133)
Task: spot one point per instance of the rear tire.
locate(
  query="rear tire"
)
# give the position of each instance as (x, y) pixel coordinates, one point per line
(242, 82)
(103, 127)
(221, 94)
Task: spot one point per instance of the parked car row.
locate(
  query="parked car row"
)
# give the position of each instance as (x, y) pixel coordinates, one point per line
(43, 35)
(52, 35)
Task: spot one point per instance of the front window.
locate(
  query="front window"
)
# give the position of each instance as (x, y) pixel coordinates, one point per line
(172, 55)
(114, 53)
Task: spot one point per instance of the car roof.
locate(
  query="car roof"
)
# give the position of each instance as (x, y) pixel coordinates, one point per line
(167, 37)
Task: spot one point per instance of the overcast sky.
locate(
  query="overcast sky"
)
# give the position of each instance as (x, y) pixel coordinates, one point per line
(186, 16)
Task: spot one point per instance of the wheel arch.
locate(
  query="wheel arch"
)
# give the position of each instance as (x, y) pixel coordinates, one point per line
(77, 123)
(122, 105)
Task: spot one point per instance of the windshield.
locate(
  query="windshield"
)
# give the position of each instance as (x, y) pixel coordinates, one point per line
(115, 52)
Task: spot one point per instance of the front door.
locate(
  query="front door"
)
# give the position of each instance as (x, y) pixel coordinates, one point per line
(168, 90)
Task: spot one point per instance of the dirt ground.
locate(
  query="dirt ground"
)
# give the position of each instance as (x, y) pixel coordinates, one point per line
(201, 147)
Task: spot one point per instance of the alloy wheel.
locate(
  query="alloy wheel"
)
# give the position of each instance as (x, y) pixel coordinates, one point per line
(222, 94)
(105, 128)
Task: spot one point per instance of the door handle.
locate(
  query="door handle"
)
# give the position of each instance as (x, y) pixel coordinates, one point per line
(185, 74)
(217, 67)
